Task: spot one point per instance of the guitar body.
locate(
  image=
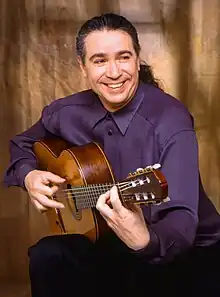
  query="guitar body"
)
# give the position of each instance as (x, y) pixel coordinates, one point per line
(80, 166)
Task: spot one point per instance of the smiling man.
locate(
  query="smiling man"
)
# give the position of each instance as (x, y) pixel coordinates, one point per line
(175, 244)
(111, 66)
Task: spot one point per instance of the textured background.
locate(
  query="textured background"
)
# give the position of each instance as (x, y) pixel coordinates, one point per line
(180, 39)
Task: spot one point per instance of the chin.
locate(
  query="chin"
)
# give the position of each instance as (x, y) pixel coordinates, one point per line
(117, 101)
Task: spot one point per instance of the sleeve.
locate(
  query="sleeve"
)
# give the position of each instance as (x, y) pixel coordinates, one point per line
(22, 158)
(173, 224)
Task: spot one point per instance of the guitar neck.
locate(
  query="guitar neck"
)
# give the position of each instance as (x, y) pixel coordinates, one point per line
(87, 196)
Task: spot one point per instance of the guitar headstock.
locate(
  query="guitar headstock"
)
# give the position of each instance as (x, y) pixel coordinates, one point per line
(145, 186)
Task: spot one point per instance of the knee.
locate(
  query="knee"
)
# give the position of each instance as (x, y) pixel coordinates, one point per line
(44, 250)
(56, 249)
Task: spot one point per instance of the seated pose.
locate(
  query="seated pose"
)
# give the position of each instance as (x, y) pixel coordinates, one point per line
(171, 248)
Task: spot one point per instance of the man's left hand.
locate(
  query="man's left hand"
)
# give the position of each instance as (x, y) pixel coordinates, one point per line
(127, 223)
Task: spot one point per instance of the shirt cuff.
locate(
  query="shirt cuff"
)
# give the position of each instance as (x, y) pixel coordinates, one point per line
(151, 250)
(22, 171)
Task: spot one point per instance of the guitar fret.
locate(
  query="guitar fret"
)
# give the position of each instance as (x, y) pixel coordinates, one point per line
(87, 196)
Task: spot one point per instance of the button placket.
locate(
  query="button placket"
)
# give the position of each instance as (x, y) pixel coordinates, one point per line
(109, 119)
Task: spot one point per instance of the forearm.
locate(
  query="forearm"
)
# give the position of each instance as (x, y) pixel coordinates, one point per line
(22, 159)
(22, 162)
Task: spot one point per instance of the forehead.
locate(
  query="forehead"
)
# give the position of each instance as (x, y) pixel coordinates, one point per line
(108, 42)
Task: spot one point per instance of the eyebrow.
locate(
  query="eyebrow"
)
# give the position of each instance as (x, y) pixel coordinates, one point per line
(101, 55)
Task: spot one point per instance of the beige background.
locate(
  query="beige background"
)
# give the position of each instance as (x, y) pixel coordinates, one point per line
(180, 39)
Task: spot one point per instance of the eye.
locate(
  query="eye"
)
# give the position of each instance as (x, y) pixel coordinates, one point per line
(125, 58)
(99, 61)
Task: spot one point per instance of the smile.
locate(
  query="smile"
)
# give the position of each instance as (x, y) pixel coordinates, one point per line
(115, 86)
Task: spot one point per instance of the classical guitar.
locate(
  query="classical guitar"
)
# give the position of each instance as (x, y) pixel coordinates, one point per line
(88, 174)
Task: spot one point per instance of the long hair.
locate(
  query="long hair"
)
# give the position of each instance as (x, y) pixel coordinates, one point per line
(111, 21)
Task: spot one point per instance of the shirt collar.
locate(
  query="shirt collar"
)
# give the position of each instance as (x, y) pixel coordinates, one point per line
(122, 117)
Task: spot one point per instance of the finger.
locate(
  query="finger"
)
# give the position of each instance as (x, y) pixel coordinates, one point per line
(102, 205)
(135, 208)
(107, 218)
(115, 201)
(51, 177)
(38, 206)
(105, 211)
(54, 189)
(45, 201)
(103, 199)
(46, 190)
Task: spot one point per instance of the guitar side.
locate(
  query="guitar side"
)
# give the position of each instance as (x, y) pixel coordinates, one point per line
(80, 166)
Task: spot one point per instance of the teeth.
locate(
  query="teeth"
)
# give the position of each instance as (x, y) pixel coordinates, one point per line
(114, 86)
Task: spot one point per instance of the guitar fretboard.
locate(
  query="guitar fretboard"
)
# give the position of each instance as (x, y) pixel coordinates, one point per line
(87, 196)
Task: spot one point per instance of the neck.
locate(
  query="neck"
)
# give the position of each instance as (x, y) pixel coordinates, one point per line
(87, 196)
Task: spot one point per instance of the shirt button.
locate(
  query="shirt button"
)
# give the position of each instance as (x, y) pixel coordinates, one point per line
(108, 116)
(110, 132)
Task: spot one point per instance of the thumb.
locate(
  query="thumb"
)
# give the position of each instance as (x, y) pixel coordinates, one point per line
(115, 200)
(51, 177)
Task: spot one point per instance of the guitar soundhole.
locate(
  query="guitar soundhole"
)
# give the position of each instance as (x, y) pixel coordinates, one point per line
(76, 212)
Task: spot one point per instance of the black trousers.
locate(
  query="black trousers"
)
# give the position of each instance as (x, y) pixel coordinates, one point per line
(70, 265)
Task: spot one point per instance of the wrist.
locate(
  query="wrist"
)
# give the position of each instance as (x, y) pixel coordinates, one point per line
(142, 243)
(22, 173)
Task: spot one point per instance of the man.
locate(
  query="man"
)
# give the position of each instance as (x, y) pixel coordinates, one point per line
(137, 124)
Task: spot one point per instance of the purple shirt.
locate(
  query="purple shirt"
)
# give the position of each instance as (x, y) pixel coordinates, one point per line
(153, 128)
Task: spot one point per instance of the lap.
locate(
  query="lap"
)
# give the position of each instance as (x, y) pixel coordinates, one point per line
(111, 266)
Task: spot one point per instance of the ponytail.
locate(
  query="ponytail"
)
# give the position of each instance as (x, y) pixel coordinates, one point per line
(146, 75)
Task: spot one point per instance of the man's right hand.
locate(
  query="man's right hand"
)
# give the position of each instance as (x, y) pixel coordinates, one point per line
(37, 183)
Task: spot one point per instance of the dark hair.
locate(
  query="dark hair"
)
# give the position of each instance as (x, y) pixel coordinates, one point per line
(111, 21)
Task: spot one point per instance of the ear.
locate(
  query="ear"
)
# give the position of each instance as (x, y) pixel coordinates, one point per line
(82, 67)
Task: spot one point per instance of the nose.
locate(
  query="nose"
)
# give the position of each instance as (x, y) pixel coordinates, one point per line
(113, 70)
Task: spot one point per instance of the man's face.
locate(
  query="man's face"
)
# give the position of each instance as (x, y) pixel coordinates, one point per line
(111, 67)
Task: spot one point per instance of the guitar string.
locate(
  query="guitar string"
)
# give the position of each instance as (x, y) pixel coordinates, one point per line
(99, 186)
(88, 202)
(91, 191)
(88, 195)
(88, 198)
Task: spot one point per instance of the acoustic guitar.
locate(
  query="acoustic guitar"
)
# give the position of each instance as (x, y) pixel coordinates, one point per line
(88, 174)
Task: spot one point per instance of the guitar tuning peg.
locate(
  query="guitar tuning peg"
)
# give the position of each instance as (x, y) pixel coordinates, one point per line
(167, 199)
(148, 167)
(139, 170)
(156, 166)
